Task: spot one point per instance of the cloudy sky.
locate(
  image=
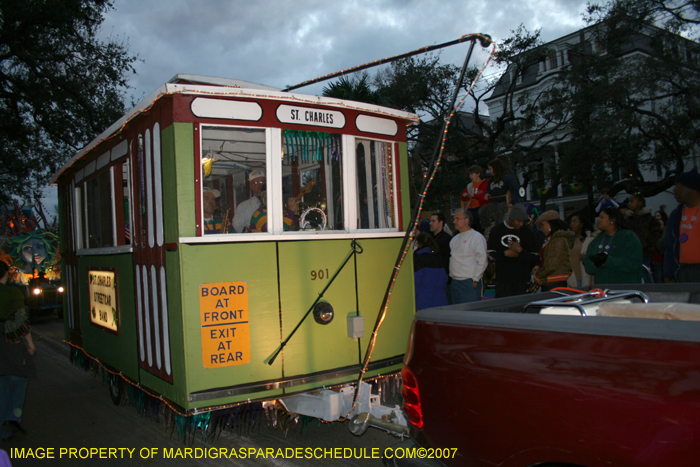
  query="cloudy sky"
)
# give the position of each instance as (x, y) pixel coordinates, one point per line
(283, 42)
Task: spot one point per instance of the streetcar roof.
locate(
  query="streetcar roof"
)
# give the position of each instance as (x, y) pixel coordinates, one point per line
(212, 86)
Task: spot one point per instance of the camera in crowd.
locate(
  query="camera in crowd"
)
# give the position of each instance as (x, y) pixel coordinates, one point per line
(599, 259)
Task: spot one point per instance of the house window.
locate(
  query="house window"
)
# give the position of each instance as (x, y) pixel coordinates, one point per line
(599, 46)
(552, 56)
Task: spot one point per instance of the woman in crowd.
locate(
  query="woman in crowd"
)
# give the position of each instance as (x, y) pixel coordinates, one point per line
(583, 235)
(555, 265)
(614, 256)
(429, 274)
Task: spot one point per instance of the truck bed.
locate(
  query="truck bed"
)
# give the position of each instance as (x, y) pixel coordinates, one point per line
(511, 388)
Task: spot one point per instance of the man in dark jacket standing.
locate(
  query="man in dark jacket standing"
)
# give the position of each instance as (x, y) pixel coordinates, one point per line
(442, 238)
(647, 227)
(514, 248)
(682, 244)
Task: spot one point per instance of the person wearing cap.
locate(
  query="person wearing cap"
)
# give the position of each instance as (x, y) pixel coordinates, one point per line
(514, 248)
(682, 243)
(555, 255)
(245, 210)
(213, 224)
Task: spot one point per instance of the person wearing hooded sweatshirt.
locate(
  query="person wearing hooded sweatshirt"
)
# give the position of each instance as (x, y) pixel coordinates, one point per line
(641, 221)
(555, 267)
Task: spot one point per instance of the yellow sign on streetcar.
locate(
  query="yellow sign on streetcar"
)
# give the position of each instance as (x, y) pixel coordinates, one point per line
(223, 308)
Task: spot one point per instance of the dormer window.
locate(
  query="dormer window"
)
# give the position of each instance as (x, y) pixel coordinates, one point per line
(552, 59)
(599, 46)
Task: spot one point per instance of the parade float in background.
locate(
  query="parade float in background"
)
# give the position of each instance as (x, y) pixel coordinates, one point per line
(30, 247)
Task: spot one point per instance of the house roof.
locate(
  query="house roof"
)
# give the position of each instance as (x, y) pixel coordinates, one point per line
(578, 39)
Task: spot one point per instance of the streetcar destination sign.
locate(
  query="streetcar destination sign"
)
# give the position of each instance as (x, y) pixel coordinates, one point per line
(310, 116)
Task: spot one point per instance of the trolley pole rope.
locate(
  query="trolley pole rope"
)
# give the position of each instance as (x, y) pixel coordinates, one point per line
(483, 38)
(434, 163)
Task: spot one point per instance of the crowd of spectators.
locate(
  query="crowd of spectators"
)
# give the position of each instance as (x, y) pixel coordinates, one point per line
(628, 245)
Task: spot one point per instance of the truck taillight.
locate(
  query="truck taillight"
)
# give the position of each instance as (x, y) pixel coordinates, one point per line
(411, 398)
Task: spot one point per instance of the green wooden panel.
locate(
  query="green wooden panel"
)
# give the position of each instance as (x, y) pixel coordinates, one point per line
(253, 263)
(176, 391)
(120, 351)
(173, 173)
(316, 347)
(374, 271)
(183, 141)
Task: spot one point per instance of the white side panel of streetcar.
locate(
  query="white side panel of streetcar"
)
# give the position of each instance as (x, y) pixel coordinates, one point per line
(231, 110)
(376, 125)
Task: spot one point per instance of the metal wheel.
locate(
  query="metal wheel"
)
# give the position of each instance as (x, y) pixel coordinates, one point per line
(115, 388)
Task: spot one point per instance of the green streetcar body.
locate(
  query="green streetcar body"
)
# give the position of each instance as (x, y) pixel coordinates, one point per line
(148, 289)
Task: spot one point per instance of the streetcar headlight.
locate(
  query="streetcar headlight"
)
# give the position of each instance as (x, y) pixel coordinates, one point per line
(323, 312)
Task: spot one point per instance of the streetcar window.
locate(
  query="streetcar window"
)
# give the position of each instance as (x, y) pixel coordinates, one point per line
(126, 204)
(98, 211)
(312, 178)
(234, 179)
(375, 185)
(79, 217)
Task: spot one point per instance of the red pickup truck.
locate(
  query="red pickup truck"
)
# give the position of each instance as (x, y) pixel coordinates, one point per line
(545, 380)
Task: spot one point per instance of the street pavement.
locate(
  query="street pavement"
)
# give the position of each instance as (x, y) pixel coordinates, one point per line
(68, 408)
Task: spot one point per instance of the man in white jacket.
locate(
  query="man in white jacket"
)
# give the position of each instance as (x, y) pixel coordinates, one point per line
(468, 260)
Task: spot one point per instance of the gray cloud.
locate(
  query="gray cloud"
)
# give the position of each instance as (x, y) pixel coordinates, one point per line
(285, 42)
(282, 42)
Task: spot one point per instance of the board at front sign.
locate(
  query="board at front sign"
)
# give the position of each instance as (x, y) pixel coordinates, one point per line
(223, 308)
